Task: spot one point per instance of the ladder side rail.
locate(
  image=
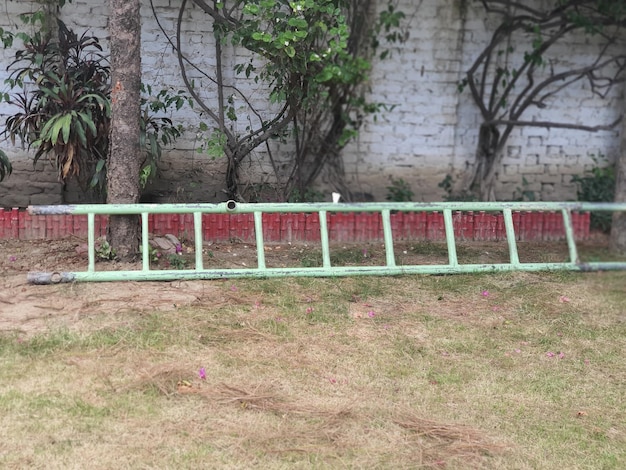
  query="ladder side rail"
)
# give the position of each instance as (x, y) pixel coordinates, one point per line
(191, 274)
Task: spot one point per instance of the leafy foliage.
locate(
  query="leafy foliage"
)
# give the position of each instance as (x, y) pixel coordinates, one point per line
(5, 165)
(64, 106)
(598, 186)
(65, 109)
(312, 58)
(452, 195)
(399, 191)
(158, 130)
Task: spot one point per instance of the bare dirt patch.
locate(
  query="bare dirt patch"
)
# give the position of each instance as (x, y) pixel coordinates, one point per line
(28, 309)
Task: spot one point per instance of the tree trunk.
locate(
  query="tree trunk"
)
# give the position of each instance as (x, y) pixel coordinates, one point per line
(617, 241)
(124, 152)
(482, 179)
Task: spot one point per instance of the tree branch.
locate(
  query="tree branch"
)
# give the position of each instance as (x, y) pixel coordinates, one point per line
(556, 125)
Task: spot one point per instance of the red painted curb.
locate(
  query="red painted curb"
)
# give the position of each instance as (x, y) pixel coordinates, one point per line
(298, 228)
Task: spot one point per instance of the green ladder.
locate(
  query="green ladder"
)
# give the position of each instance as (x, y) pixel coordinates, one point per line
(323, 209)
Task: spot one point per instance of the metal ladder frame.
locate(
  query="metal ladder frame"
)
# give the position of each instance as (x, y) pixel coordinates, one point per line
(327, 269)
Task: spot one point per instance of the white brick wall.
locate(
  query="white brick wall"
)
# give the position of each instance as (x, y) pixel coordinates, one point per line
(432, 130)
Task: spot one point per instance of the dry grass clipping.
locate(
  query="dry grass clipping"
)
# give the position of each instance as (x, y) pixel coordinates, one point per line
(445, 441)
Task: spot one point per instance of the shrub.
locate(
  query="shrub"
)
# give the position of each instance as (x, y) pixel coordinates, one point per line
(599, 186)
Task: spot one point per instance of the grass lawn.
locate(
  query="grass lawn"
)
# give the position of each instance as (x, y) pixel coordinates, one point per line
(501, 371)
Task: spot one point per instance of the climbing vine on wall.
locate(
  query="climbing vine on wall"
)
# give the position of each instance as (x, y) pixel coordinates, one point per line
(312, 60)
(519, 69)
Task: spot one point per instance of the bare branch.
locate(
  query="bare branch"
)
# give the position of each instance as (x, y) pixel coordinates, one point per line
(556, 125)
(507, 5)
(181, 64)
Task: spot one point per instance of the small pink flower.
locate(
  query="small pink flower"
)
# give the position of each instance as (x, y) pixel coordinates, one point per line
(518, 351)
(586, 361)
(233, 288)
(550, 354)
(485, 293)
(561, 355)
(563, 299)
(202, 373)
(332, 380)
(371, 314)
(309, 310)
(12, 258)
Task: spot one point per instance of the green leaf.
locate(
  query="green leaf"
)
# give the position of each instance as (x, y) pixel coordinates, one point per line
(80, 131)
(86, 118)
(55, 130)
(100, 165)
(67, 127)
(251, 9)
(45, 130)
(325, 75)
(299, 23)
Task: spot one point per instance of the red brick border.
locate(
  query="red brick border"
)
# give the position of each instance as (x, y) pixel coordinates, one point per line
(288, 227)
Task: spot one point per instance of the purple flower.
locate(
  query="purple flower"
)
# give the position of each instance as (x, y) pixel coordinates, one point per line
(202, 373)
(179, 248)
(550, 354)
(12, 258)
(485, 293)
(371, 314)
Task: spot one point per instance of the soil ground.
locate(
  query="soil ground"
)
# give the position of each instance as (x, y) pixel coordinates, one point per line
(28, 309)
